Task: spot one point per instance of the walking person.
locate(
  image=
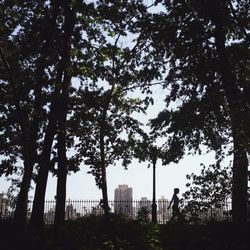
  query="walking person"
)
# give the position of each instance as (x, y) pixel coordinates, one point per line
(175, 207)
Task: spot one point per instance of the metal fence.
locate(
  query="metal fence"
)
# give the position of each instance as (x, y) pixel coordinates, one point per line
(133, 209)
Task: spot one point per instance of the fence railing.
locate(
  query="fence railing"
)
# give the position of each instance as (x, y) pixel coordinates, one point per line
(132, 209)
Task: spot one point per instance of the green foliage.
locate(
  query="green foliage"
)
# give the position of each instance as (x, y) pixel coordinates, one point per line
(44, 45)
(212, 188)
(197, 110)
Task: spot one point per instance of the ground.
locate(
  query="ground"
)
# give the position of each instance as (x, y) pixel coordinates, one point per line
(94, 233)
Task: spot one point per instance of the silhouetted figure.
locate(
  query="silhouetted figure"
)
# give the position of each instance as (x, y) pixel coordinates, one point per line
(175, 208)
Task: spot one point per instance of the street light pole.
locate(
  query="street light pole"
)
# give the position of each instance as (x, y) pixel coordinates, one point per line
(154, 205)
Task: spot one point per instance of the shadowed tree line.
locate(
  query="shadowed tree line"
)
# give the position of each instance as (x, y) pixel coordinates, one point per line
(67, 73)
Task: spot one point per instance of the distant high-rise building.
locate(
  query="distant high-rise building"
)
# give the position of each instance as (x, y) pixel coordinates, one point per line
(162, 209)
(123, 202)
(49, 216)
(70, 212)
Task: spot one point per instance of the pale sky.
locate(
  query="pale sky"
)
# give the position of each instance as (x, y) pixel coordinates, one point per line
(139, 177)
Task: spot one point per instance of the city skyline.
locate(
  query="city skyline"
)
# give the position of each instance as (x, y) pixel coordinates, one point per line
(131, 208)
(82, 186)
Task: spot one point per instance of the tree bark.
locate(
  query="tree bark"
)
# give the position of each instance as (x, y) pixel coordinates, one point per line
(104, 188)
(20, 215)
(62, 170)
(103, 170)
(44, 166)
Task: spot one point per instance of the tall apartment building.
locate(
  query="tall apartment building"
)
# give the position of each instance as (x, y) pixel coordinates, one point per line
(163, 213)
(70, 212)
(123, 202)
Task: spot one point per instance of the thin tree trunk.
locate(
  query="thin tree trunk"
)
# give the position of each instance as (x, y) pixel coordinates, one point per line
(103, 172)
(62, 173)
(62, 161)
(103, 166)
(20, 215)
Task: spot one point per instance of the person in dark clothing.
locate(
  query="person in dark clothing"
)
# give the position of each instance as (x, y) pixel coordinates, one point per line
(175, 208)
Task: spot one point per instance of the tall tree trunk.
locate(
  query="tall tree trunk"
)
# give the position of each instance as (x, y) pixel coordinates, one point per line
(236, 110)
(29, 161)
(62, 171)
(62, 117)
(44, 166)
(62, 161)
(45, 162)
(104, 188)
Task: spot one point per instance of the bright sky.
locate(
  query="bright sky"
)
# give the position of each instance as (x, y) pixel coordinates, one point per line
(139, 177)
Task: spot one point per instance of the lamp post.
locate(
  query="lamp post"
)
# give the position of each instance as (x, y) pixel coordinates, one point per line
(154, 205)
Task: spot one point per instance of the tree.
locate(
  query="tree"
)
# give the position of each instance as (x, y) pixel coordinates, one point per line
(50, 130)
(23, 73)
(33, 71)
(54, 156)
(106, 129)
(238, 110)
(204, 45)
(39, 104)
